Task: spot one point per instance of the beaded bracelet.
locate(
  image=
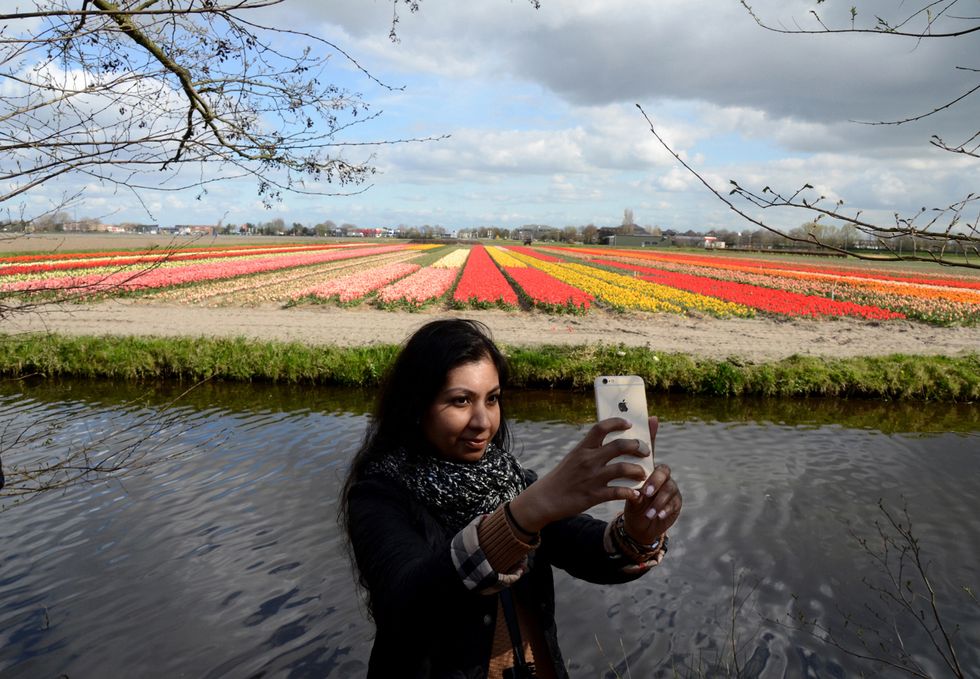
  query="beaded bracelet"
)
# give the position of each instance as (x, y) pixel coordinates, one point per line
(636, 550)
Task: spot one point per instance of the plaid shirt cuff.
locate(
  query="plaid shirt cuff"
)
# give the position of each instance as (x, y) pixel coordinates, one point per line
(487, 555)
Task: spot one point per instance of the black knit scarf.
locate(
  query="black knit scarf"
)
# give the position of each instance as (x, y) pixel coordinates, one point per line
(455, 492)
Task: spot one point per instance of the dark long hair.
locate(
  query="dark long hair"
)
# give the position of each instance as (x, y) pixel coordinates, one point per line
(412, 384)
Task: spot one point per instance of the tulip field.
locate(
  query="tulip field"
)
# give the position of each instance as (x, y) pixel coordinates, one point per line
(395, 275)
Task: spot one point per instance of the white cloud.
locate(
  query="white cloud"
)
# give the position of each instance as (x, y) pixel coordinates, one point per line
(677, 179)
(541, 108)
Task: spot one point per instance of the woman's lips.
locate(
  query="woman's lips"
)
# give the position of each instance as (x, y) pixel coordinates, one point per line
(475, 444)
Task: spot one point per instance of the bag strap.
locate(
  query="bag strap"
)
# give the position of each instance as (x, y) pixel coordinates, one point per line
(510, 613)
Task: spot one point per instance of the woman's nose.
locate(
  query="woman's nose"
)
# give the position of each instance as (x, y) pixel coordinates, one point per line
(480, 417)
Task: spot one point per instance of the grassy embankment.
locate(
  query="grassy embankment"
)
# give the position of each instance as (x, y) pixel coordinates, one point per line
(937, 378)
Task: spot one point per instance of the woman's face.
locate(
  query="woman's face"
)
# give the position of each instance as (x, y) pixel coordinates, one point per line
(465, 414)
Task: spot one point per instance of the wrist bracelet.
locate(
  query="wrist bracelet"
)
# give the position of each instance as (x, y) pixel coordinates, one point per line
(513, 521)
(634, 549)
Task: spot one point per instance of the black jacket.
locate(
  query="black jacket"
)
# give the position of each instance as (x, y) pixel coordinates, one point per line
(429, 625)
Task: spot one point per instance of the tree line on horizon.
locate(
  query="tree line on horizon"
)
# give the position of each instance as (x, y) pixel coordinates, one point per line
(845, 237)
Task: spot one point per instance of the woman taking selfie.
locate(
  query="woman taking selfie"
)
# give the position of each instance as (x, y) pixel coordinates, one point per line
(454, 541)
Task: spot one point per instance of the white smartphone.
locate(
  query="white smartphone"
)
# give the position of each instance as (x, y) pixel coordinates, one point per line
(625, 396)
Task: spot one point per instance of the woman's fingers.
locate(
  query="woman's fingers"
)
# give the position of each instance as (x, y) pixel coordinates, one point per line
(618, 447)
(612, 493)
(581, 479)
(601, 429)
(660, 476)
(653, 503)
(657, 507)
(621, 470)
(664, 503)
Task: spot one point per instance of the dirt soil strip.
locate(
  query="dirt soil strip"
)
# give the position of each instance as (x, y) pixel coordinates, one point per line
(751, 339)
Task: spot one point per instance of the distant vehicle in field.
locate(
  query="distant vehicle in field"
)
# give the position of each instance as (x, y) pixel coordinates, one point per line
(527, 241)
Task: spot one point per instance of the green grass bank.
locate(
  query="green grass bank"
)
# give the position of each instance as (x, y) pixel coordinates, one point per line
(935, 378)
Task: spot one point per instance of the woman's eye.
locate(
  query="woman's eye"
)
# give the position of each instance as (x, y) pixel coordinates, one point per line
(460, 401)
(494, 399)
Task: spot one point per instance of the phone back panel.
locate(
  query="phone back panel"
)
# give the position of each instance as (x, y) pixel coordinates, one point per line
(625, 396)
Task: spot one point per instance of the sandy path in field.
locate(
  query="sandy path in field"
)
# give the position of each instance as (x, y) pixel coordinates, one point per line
(751, 339)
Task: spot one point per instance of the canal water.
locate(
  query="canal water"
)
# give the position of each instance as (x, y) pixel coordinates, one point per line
(214, 551)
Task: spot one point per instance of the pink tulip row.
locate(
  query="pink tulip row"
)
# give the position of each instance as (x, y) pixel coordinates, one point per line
(158, 257)
(273, 286)
(482, 283)
(422, 286)
(357, 285)
(192, 273)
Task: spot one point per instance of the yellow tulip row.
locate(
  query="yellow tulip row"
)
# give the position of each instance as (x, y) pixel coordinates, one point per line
(454, 260)
(628, 292)
(609, 293)
(665, 294)
(504, 258)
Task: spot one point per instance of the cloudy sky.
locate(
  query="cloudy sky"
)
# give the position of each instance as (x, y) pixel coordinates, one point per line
(540, 106)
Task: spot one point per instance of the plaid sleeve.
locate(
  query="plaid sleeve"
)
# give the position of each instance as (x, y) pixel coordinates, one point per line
(487, 555)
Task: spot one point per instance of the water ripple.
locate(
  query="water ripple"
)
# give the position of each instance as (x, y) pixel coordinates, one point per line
(220, 556)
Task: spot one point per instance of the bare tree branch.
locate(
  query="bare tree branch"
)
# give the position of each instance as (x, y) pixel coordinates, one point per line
(112, 89)
(907, 599)
(948, 235)
(127, 442)
(938, 238)
(882, 26)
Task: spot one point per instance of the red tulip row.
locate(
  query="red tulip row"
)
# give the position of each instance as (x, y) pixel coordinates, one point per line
(531, 252)
(545, 290)
(735, 261)
(541, 288)
(764, 299)
(482, 283)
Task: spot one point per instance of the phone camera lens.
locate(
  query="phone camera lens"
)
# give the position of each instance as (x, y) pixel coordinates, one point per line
(605, 381)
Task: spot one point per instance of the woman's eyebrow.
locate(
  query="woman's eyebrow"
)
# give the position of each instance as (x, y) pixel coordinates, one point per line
(467, 391)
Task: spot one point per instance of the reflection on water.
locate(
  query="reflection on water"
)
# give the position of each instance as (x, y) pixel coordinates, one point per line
(558, 406)
(227, 561)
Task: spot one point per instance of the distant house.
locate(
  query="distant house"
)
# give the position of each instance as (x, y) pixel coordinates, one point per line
(683, 241)
(713, 243)
(632, 240)
(142, 228)
(84, 225)
(195, 229)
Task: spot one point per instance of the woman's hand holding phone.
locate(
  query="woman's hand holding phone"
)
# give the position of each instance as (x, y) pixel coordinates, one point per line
(582, 479)
(613, 462)
(657, 506)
